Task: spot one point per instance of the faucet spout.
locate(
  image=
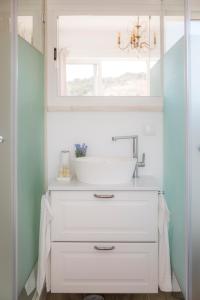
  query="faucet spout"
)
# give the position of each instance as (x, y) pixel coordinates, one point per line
(134, 138)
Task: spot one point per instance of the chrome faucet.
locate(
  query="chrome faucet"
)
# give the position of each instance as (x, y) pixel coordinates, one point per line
(134, 138)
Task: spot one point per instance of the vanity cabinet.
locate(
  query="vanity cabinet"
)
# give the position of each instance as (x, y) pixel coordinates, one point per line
(104, 241)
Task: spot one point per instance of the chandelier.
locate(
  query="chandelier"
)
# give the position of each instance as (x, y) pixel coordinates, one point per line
(139, 37)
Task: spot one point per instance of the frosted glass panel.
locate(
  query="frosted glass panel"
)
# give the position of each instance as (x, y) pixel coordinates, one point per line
(30, 135)
(175, 135)
(174, 155)
(30, 156)
(195, 158)
(7, 78)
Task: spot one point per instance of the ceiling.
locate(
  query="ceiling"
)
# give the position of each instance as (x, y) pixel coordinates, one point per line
(103, 23)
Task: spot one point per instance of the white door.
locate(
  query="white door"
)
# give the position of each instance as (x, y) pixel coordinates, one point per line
(7, 174)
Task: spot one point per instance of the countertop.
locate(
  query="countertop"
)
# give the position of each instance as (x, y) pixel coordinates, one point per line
(143, 183)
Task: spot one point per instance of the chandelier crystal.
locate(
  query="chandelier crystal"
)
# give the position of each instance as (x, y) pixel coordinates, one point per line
(138, 38)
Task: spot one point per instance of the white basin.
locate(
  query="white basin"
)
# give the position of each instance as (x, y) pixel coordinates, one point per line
(104, 170)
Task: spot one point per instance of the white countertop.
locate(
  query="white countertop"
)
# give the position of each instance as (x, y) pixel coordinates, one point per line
(143, 183)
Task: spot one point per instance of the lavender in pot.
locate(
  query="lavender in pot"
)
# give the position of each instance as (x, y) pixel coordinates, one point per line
(80, 150)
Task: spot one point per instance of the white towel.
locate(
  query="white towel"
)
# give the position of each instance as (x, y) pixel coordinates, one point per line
(165, 282)
(43, 273)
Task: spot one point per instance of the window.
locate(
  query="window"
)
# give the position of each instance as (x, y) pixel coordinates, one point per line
(105, 78)
(124, 78)
(80, 80)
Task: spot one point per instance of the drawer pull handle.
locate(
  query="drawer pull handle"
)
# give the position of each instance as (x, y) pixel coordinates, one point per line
(103, 248)
(103, 196)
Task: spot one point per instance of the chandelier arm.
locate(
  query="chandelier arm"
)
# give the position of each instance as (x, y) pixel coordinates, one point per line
(144, 44)
(124, 48)
(137, 34)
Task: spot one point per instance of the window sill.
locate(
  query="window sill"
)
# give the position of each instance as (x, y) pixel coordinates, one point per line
(107, 104)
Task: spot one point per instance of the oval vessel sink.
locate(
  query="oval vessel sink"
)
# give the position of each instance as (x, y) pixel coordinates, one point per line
(104, 170)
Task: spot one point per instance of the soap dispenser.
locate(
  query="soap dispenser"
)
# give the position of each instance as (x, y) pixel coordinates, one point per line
(64, 172)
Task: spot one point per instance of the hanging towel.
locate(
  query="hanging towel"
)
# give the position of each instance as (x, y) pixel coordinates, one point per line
(43, 274)
(165, 282)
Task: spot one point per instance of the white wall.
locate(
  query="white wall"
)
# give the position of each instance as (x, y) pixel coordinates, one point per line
(64, 129)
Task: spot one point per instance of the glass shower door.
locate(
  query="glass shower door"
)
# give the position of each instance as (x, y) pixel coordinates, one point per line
(7, 172)
(174, 91)
(194, 151)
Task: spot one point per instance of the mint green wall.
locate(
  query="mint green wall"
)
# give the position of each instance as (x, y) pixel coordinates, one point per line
(30, 155)
(174, 154)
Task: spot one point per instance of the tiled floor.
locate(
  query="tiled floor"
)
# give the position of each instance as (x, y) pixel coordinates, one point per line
(160, 296)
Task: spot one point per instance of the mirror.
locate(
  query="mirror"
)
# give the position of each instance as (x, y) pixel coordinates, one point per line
(108, 55)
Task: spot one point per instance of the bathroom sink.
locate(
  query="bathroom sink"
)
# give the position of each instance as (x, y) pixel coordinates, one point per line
(104, 170)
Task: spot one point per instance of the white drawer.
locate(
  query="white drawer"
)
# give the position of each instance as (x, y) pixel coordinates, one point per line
(127, 217)
(125, 268)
